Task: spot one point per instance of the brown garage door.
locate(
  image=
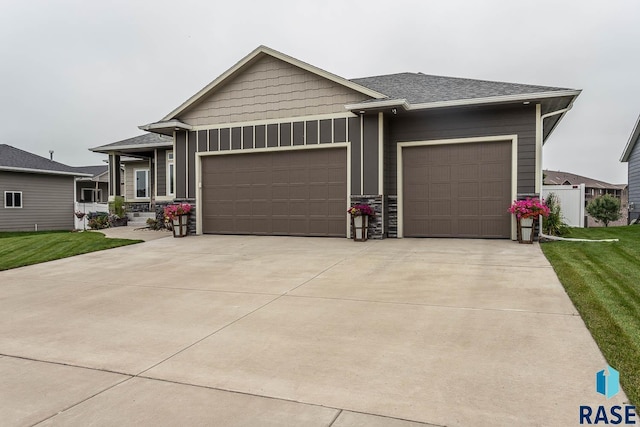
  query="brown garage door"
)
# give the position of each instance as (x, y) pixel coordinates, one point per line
(457, 190)
(296, 193)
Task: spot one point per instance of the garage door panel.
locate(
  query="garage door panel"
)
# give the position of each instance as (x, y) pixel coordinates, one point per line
(457, 190)
(469, 189)
(302, 192)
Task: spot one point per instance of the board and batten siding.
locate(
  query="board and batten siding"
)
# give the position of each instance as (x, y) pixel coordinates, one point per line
(467, 123)
(360, 131)
(47, 201)
(271, 89)
(634, 180)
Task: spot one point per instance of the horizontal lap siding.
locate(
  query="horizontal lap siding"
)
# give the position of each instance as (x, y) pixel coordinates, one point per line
(634, 178)
(130, 179)
(47, 200)
(518, 120)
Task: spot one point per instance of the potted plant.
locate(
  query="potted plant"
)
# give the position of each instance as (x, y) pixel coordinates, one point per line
(527, 212)
(177, 215)
(360, 214)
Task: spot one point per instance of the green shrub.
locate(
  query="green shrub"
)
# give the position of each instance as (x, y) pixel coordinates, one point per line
(605, 209)
(117, 206)
(553, 225)
(98, 220)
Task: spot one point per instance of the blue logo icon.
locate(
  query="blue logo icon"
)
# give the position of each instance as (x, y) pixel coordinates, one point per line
(608, 383)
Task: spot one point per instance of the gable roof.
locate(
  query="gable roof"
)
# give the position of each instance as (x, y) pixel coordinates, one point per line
(17, 160)
(410, 91)
(94, 171)
(633, 140)
(562, 178)
(140, 142)
(256, 55)
(417, 89)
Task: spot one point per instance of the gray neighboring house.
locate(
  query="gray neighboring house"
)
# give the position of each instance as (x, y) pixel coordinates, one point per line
(276, 146)
(38, 193)
(631, 156)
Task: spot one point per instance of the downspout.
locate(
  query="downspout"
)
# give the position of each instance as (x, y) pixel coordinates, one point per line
(542, 117)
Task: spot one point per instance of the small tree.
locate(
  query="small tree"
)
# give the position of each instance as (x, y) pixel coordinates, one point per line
(605, 209)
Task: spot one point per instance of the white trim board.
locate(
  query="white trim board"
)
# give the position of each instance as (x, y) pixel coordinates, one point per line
(514, 168)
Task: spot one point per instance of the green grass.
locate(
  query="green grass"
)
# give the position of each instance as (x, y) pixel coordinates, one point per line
(603, 281)
(18, 249)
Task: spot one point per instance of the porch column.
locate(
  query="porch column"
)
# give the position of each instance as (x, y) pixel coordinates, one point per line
(115, 179)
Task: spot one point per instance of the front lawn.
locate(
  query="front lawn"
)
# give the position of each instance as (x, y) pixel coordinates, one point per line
(18, 249)
(603, 281)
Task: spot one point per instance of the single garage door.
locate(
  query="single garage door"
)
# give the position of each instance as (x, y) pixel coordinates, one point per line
(457, 190)
(295, 193)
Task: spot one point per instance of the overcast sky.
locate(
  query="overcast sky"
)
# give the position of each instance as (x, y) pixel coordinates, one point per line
(78, 74)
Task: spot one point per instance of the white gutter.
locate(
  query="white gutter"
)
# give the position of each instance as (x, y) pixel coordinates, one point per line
(107, 149)
(463, 102)
(176, 124)
(47, 172)
(379, 104)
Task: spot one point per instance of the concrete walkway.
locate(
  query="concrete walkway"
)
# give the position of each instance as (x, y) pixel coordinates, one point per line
(278, 331)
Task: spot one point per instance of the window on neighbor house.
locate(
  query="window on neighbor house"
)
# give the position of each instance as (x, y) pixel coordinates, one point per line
(170, 166)
(142, 183)
(13, 199)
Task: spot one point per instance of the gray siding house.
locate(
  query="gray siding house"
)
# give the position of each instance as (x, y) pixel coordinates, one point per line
(38, 193)
(275, 146)
(631, 155)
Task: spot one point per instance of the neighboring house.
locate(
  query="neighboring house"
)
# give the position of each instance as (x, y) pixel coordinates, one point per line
(145, 167)
(94, 188)
(631, 155)
(38, 193)
(593, 188)
(275, 146)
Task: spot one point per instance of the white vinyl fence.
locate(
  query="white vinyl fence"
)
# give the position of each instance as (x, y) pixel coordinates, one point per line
(86, 208)
(571, 200)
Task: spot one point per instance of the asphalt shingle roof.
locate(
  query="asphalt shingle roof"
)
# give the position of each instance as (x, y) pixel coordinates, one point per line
(93, 170)
(142, 140)
(418, 88)
(11, 157)
(559, 178)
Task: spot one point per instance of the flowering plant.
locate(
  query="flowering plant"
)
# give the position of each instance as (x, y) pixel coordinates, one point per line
(360, 210)
(171, 212)
(79, 214)
(530, 207)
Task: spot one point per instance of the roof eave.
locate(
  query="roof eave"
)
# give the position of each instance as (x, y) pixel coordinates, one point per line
(274, 53)
(42, 171)
(107, 149)
(171, 124)
(502, 99)
(463, 102)
(385, 103)
(633, 138)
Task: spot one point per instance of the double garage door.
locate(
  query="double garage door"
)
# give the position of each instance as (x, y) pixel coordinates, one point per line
(295, 193)
(457, 190)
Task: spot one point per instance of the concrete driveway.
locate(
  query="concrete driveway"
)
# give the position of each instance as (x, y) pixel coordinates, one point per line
(242, 331)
